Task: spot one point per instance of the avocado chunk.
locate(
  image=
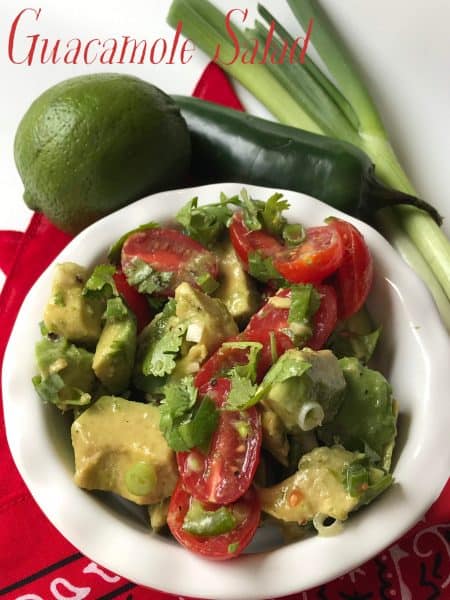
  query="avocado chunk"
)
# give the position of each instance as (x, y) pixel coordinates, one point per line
(274, 435)
(237, 291)
(321, 487)
(116, 438)
(157, 514)
(114, 355)
(368, 415)
(65, 378)
(304, 388)
(208, 321)
(68, 313)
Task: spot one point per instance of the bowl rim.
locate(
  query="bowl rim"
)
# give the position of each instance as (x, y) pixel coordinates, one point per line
(167, 567)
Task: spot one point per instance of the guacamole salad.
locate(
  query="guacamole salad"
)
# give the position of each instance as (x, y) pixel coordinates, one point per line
(217, 372)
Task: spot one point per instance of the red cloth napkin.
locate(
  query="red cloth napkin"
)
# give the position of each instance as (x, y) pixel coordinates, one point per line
(37, 563)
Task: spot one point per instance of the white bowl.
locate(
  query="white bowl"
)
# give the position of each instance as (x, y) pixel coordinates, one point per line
(413, 354)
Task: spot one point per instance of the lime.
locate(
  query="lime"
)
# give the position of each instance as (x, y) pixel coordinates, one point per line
(92, 144)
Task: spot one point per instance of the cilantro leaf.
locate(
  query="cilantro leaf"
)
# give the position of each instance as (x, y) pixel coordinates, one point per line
(116, 310)
(101, 282)
(242, 393)
(144, 278)
(198, 430)
(263, 269)
(164, 345)
(267, 215)
(183, 422)
(305, 301)
(148, 338)
(248, 370)
(116, 248)
(179, 398)
(204, 223)
(288, 365)
(272, 217)
(250, 211)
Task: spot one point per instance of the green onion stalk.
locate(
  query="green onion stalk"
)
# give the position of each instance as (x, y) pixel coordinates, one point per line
(303, 96)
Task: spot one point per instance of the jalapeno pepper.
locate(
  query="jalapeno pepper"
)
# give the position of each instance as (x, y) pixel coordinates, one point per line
(228, 145)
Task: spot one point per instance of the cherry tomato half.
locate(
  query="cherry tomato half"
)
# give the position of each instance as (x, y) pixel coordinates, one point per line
(168, 250)
(227, 470)
(220, 362)
(325, 318)
(136, 302)
(219, 547)
(275, 318)
(314, 259)
(245, 241)
(353, 278)
(269, 326)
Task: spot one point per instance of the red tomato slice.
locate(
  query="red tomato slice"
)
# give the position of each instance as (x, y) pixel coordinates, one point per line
(221, 361)
(136, 302)
(223, 546)
(325, 318)
(245, 241)
(170, 250)
(314, 259)
(227, 470)
(282, 343)
(275, 318)
(267, 324)
(353, 278)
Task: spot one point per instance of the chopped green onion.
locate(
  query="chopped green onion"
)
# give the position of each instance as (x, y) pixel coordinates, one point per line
(273, 347)
(310, 416)
(356, 479)
(208, 284)
(293, 234)
(430, 241)
(305, 90)
(208, 523)
(141, 479)
(323, 528)
(333, 92)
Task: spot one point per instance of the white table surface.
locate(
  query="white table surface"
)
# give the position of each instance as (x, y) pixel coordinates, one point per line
(403, 47)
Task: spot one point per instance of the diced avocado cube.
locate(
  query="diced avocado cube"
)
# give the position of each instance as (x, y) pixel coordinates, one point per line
(68, 313)
(317, 487)
(115, 438)
(274, 435)
(114, 355)
(321, 487)
(305, 388)
(367, 419)
(208, 321)
(65, 378)
(157, 514)
(237, 291)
